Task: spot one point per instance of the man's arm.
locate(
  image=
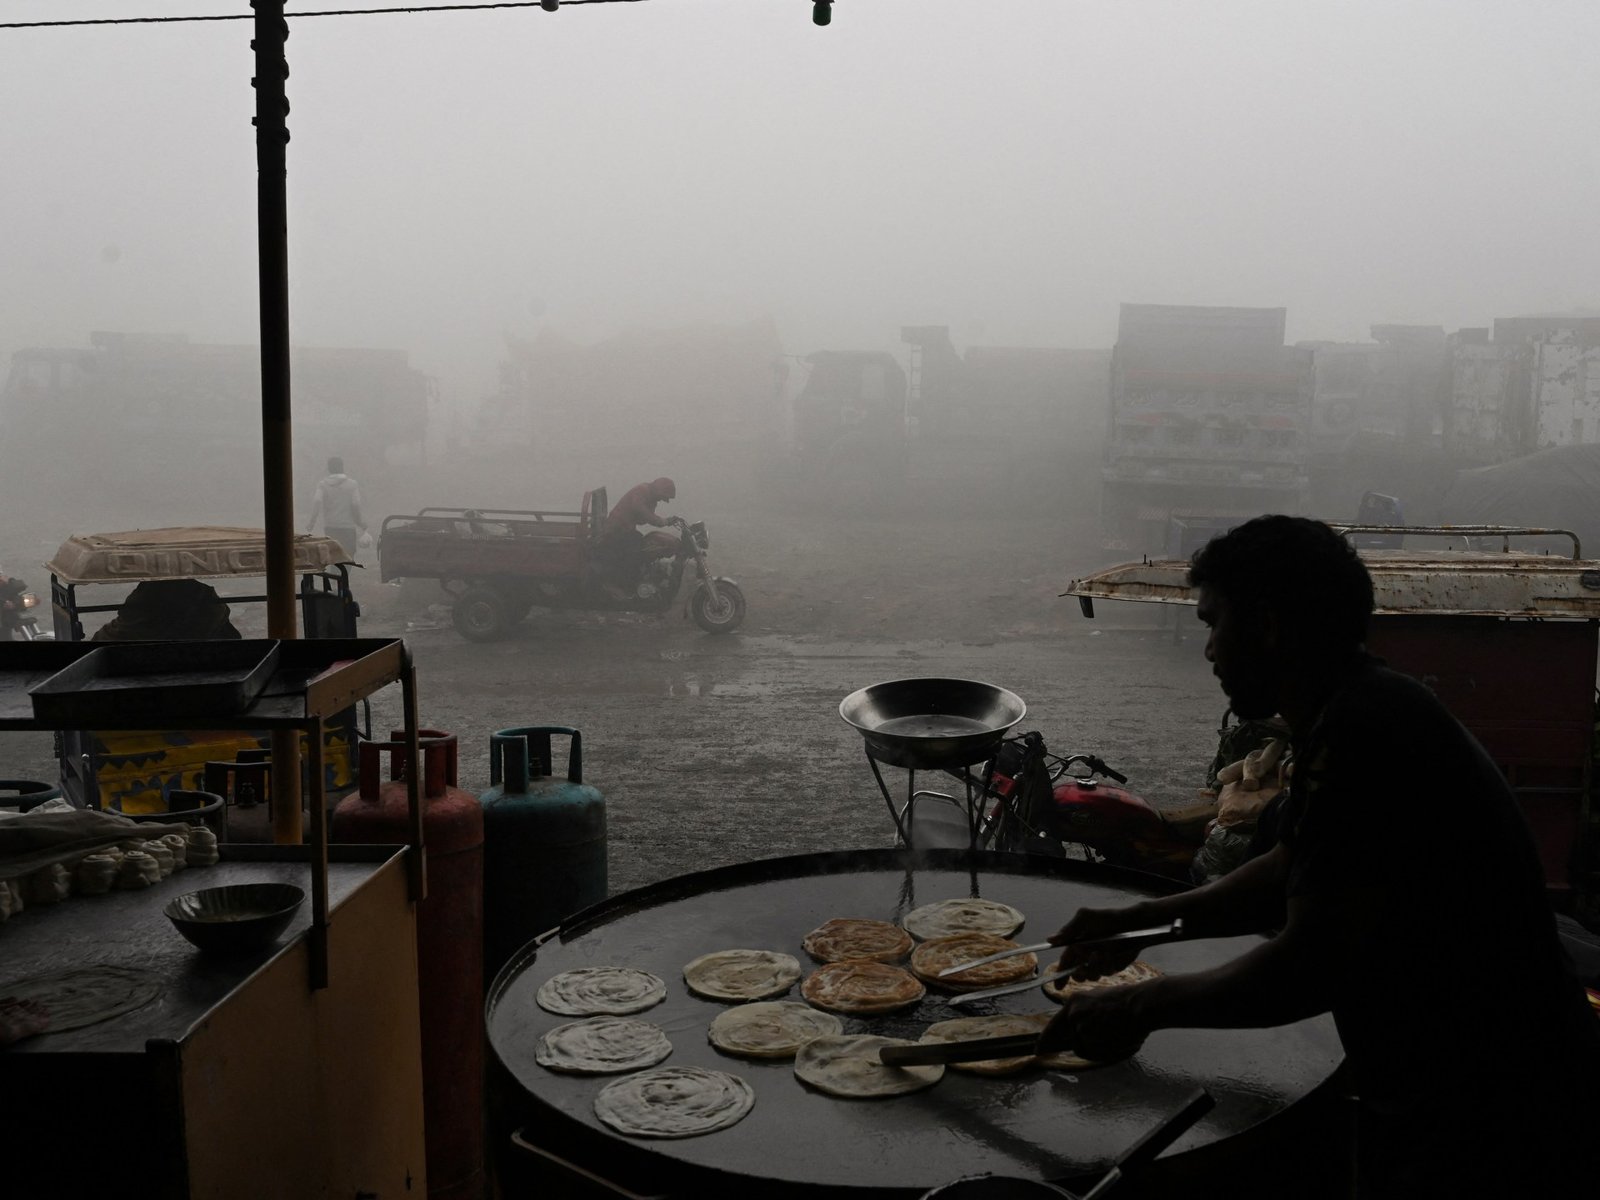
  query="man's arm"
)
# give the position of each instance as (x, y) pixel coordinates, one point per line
(1276, 983)
(1247, 900)
(355, 505)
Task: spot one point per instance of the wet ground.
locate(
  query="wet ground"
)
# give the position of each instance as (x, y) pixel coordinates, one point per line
(715, 749)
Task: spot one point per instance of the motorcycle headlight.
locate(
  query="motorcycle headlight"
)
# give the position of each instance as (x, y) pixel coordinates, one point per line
(698, 531)
(29, 600)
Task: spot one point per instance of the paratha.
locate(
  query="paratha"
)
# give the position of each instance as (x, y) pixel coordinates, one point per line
(770, 1029)
(861, 988)
(847, 939)
(742, 974)
(849, 1067)
(966, 1029)
(674, 1102)
(947, 917)
(1061, 1060)
(935, 955)
(601, 991)
(602, 1046)
(1134, 972)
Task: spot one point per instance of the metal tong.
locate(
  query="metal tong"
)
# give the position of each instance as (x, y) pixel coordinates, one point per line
(1134, 939)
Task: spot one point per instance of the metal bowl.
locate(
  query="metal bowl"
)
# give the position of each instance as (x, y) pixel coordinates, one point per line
(927, 724)
(236, 918)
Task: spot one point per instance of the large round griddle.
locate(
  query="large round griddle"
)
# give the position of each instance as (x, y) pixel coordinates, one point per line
(1046, 1125)
(929, 724)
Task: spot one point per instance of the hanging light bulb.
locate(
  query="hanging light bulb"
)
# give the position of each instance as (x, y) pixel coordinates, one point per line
(822, 12)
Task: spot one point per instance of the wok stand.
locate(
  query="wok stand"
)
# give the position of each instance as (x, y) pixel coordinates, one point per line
(904, 816)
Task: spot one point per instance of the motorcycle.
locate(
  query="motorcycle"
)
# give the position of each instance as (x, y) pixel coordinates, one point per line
(1040, 803)
(17, 622)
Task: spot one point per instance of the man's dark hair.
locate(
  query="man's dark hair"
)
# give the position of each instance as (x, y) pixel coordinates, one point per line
(1299, 570)
(336, 466)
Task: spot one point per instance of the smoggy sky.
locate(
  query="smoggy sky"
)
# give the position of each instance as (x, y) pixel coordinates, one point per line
(1011, 168)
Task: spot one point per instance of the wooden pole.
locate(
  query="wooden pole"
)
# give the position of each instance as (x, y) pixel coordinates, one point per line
(277, 441)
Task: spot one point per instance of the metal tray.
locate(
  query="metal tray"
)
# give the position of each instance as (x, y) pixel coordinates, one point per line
(166, 680)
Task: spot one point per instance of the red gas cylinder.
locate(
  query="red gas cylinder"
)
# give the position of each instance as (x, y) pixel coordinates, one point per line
(449, 944)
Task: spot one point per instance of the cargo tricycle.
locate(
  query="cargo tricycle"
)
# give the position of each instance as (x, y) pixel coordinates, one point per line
(134, 771)
(497, 564)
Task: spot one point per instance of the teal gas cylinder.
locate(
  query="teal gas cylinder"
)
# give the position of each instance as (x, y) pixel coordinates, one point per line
(544, 840)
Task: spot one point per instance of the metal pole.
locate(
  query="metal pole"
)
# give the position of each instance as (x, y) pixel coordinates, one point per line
(277, 443)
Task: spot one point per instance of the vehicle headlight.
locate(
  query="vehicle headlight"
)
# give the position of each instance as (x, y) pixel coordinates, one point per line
(29, 600)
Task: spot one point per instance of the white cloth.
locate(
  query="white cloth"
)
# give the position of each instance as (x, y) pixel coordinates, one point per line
(338, 501)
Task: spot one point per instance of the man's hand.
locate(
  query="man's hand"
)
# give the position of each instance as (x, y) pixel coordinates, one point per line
(1100, 1024)
(1087, 924)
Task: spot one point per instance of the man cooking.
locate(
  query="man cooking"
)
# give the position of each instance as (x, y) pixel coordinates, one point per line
(619, 537)
(1406, 895)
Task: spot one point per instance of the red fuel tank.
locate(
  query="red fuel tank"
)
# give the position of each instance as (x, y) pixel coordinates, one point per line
(449, 944)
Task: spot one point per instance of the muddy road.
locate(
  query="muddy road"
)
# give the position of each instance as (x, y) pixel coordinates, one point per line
(712, 750)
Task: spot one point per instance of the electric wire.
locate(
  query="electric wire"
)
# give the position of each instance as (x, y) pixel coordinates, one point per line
(326, 12)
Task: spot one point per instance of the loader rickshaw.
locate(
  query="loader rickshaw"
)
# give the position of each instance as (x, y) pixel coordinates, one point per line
(93, 574)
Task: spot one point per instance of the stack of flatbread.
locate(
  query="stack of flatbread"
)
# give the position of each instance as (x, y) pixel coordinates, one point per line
(861, 988)
(938, 954)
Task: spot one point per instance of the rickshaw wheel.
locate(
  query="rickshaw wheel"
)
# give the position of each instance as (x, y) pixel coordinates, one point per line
(480, 615)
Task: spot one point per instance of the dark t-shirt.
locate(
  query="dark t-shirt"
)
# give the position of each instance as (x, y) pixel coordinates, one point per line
(637, 507)
(1465, 1027)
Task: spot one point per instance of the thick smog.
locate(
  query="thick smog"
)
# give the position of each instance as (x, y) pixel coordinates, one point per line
(921, 326)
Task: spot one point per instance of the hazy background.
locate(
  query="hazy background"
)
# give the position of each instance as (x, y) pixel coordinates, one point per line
(1011, 168)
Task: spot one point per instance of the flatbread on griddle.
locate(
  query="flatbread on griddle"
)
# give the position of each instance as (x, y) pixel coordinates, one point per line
(1134, 972)
(861, 988)
(742, 974)
(1061, 1060)
(602, 1046)
(966, 1029)
(674, 1102)
(601, 991)
(770, 1029)
(937, 954)
(947, 917)
(849, 1067)
(847, 939)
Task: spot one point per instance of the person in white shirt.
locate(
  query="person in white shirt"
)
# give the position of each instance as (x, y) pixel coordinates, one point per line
(338, 502)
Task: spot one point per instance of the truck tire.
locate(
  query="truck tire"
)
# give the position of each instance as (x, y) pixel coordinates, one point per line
(480, 615)
(723, 617)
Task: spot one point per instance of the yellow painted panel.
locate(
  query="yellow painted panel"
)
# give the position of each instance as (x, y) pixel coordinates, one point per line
(289, 1092)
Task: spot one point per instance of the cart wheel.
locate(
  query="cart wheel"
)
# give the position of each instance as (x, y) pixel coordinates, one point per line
(480, 615)
(723, 616)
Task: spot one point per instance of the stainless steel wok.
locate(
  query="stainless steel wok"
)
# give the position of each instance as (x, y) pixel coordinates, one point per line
(929, 724)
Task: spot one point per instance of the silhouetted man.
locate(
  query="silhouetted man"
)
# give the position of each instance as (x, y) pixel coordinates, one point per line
(1416, 915)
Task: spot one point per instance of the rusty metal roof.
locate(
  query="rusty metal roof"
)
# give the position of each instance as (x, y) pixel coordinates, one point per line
(190, 552)
(1439, 583)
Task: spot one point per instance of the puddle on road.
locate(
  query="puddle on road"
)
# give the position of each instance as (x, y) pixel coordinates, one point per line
(694, 685)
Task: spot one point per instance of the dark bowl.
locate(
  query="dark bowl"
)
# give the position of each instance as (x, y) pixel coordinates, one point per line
(927, 724)
(237, 918)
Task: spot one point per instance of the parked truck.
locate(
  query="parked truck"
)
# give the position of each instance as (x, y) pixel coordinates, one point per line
(1208, 421)
(995, 425)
